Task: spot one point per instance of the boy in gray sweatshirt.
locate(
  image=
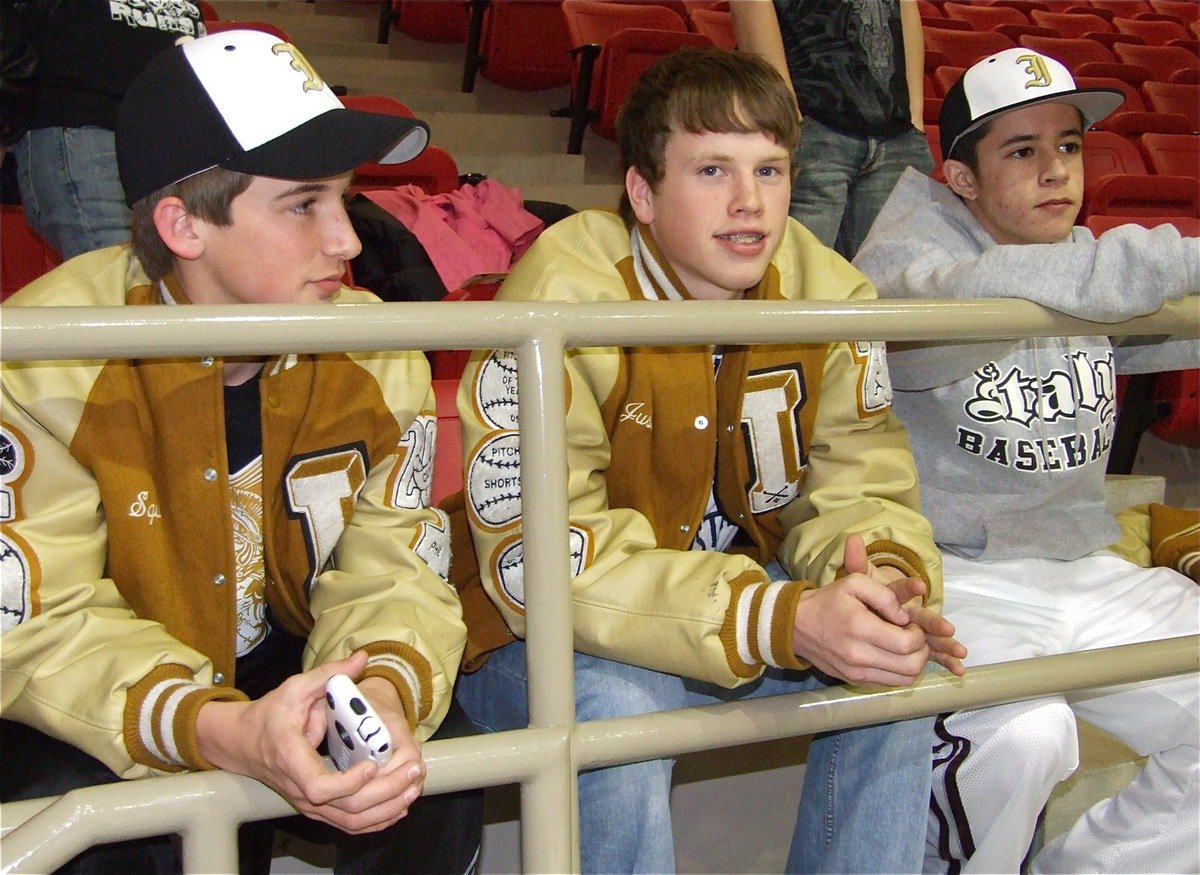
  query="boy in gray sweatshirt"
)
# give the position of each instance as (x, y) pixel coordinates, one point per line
(1011, 440)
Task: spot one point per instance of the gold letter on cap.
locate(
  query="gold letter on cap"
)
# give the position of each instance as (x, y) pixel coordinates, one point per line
(1039, 76)
(312, 79)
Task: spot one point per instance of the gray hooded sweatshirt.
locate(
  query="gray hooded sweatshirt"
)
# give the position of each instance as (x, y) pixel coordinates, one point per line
(1011, 438)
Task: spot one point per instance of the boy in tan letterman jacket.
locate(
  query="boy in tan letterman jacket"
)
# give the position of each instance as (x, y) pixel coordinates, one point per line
(743, 519)
(194, 546)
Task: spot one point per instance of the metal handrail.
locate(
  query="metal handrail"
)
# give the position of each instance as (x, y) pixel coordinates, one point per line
(205, 808)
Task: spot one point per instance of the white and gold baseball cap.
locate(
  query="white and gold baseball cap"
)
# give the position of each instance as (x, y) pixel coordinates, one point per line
(1013, 79)
(246, 100)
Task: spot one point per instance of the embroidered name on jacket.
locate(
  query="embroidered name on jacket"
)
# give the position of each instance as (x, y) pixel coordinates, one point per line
(1033, 423)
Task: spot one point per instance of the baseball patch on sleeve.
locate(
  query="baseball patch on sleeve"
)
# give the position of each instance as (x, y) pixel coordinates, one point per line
(16, 584)
(18, 564)
(496, 390)
(494, 480)
(509, 570)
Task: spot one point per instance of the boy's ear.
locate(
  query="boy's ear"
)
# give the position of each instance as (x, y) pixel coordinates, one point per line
(176, 226)
(960, 178)
(641, 196)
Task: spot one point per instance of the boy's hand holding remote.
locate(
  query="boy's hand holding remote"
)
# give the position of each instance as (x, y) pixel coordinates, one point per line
(274, 739)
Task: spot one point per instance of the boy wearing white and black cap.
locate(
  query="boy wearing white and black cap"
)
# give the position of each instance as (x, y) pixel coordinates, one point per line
(1011, 440)
(193, 546)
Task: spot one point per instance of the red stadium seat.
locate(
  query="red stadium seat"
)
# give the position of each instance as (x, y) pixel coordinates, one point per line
(1162, 61)
(448, 458)
(1105, 152)
(1088, 8)
(614, 44)
(1072, 52)
(928, 10)
(965, 47)
(933, 60)
(377, 103)
(1015, 31)
(1175, 97)
(1184, 11)
(984, 17)
(520, 44)
(24, 256)
(1122, 8)
(1072, 25)
(1177, 397)
(1025, 7)
(932, 112)
(1134, 74)
(1172, 154)
(715, 24)
(1133, 195)
(1110, 39)
(1132, 124)
(435, 21)
(947, 76)
(946, 24)
(1155, 33)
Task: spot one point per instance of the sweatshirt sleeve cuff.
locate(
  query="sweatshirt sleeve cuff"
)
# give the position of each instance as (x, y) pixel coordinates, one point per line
(758, 626)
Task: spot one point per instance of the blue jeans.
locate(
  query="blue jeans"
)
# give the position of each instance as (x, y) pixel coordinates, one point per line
(843, 180)
(863, 807)
(70, 189)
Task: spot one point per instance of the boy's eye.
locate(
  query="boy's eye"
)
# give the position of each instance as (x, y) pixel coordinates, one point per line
(770, 171)
(1071, 147)
(710, 170)
(1023, 152)
(304, 206)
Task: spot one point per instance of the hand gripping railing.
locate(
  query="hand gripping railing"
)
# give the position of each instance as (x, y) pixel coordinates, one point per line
(205, 808)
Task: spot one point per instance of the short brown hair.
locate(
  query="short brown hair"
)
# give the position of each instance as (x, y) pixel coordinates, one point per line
(208, 195)
(701, 90)
(966, 149)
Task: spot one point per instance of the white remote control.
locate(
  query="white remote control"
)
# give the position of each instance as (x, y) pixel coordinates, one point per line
(354, 731)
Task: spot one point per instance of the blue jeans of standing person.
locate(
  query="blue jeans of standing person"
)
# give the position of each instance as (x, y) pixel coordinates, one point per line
(70, 188)
(863, 807)
(842, 180)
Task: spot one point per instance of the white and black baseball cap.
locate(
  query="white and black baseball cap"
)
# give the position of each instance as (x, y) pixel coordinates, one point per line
(1013, 79)
(246, 100)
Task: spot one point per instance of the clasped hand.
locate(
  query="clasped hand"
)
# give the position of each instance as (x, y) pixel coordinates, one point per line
(871, 626)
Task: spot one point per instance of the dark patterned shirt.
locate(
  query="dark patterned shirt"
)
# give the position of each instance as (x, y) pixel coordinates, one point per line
(846, 58)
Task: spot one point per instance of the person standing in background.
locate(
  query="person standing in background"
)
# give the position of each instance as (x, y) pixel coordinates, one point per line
(88, 53)
(857, 70)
